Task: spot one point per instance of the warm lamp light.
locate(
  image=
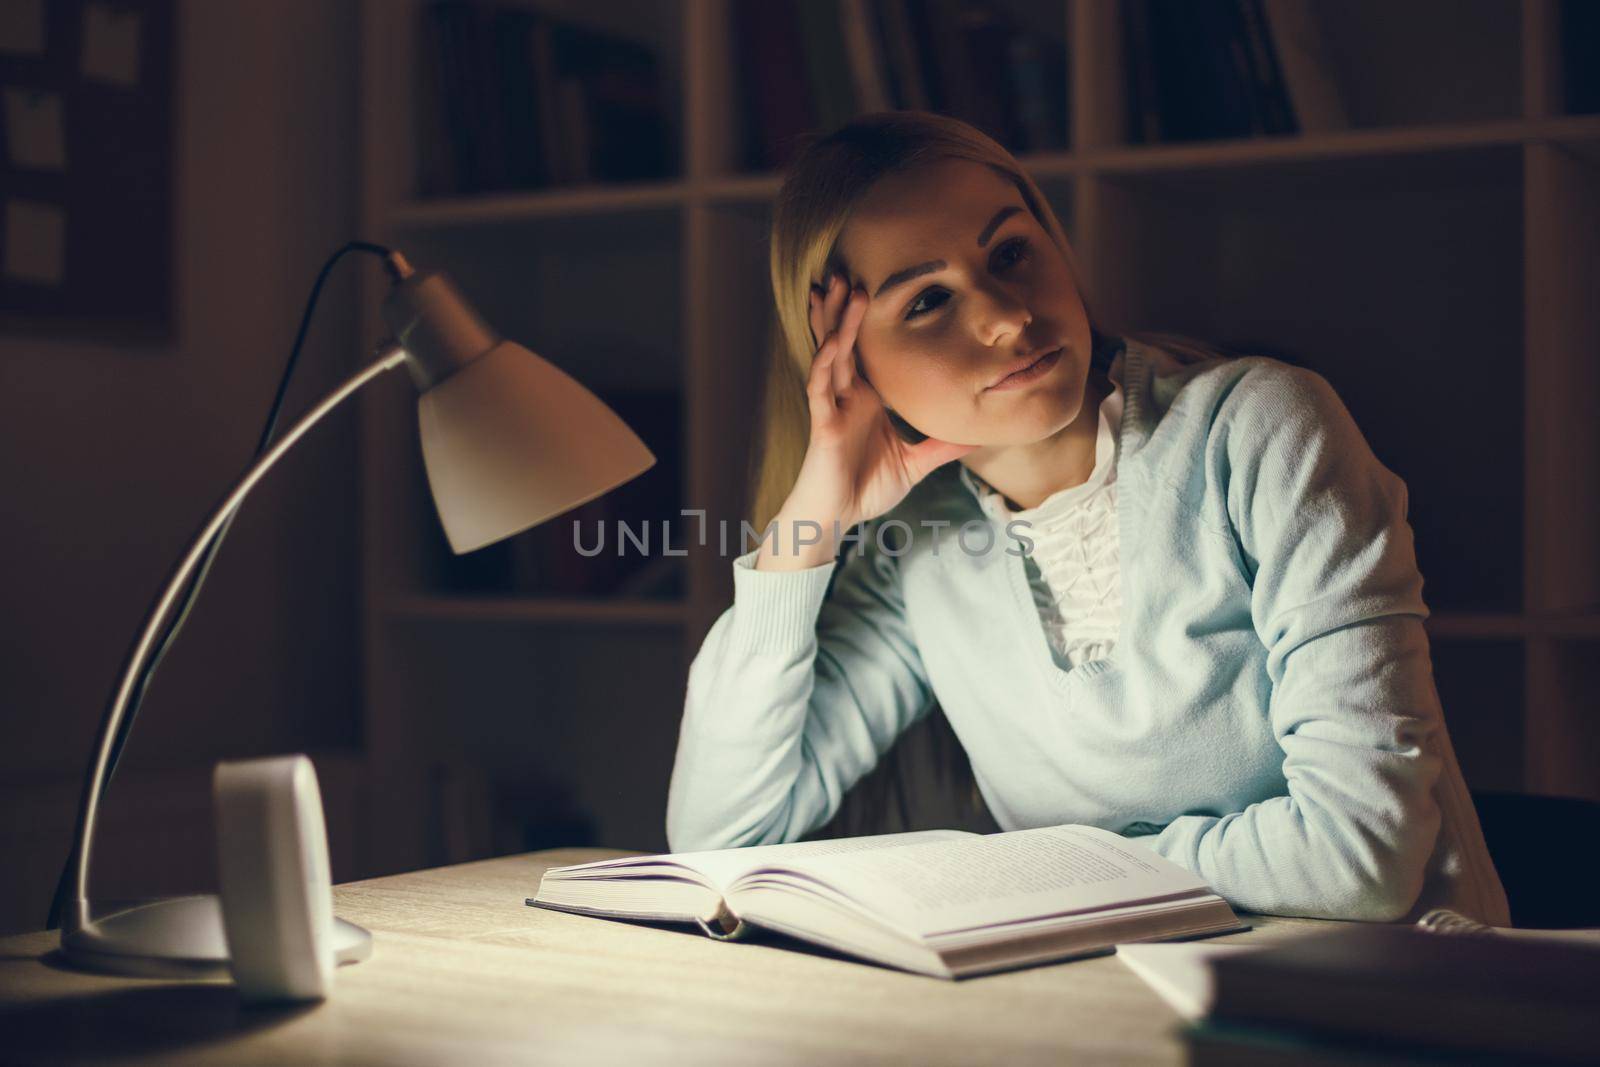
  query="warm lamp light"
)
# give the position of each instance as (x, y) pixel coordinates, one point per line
(508, 439)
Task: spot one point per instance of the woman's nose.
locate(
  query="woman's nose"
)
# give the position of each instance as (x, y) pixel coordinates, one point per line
(1000, 314)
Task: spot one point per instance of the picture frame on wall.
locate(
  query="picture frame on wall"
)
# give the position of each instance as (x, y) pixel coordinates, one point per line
(86, 168)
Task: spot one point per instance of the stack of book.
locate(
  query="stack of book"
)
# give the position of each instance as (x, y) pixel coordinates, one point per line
(1227, 68)
(510, 98)
(1377, 994)
(815, 64)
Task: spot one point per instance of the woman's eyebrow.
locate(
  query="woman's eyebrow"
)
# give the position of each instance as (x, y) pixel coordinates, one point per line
(900, 277)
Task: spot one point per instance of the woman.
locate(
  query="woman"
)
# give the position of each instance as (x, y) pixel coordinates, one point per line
(1155, 590)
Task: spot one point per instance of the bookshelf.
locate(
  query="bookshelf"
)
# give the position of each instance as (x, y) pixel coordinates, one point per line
(1440, 248)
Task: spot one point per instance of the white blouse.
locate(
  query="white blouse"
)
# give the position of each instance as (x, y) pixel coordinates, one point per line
(1074, 566)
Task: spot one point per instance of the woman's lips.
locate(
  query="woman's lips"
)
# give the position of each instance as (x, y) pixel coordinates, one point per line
(1032, 372)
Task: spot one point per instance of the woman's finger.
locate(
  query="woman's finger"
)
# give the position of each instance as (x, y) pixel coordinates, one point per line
(844, 367)
(833, 304)
(843, 370)
(815, 316)
(821, 319)
(819, 383)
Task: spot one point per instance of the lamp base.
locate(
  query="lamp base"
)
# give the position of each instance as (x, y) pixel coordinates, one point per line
(181, 937)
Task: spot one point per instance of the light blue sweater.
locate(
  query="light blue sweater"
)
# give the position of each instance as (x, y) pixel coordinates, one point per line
(1267, 718)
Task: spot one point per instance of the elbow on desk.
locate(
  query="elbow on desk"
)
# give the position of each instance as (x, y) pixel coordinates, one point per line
(1351, 895)
(692, 827)
(1377, 900)
(1380, 887)
(692, 838)
(697, 836)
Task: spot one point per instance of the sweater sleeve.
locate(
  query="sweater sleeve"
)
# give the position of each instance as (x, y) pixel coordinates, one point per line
(1336, 598)
(797, 690)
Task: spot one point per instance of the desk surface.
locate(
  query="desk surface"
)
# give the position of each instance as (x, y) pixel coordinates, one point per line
(463, 972)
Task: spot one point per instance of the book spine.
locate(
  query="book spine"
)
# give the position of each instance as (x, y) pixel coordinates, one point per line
(542, 49)
(455, 31)
(777, 102)
(900, 44)
(827, 66)
(1184, 113)
(1580, 29)
(1312, 90)
(436, 170)
(865, 55)
(514, 67)
(1196, 56)
(988, 35)
(1254, 69)
(485, 101)
(947, 48)
(1144, 103)
(575, 142)
(622, 135)
(1277, 116)
(1241, 101)
(1033, 74)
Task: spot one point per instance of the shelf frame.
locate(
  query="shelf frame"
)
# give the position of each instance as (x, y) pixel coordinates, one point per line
(714, 202)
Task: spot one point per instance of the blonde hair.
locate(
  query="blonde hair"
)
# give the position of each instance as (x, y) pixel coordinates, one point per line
(822, 186)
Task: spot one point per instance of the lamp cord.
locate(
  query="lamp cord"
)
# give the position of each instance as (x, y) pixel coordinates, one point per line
(64, 886)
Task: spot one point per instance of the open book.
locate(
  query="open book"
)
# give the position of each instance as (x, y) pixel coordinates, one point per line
(939, 902)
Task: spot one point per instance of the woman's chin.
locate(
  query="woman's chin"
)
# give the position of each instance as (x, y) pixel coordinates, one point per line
(1020, 419)
(1014, 435)
(1038, 416)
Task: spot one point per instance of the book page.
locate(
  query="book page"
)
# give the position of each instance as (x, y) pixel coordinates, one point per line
(724, 866)
(976, 881)
(720, 867)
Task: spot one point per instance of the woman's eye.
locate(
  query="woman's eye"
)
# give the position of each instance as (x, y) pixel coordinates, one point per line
(1012, 252)
(1006, 256)
(917, 306)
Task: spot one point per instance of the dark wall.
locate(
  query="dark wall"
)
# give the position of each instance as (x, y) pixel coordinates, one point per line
(111, 454)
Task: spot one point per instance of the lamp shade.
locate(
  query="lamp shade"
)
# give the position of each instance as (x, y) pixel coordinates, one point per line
(510, 440)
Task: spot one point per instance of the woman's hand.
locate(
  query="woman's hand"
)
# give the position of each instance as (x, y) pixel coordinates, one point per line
(856, 465)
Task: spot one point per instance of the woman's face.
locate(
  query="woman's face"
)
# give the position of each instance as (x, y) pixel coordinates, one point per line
(966, 287)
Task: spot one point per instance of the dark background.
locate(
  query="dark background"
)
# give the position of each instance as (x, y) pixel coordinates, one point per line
(1442, 250)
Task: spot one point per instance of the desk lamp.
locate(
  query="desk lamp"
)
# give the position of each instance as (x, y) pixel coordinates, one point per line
(508, 440)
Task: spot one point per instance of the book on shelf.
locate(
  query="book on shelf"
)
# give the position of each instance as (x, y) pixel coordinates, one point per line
(512, 98)
(1307, 66)
(1580, 74)
(1228, 69)
(615, 127)
(944, 903)
(906, 65)
(834, 97)
(1270, 112)
(867, 61)
(814, 64)
(773, 72)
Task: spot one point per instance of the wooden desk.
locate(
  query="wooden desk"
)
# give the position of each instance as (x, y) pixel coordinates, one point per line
(463, 972)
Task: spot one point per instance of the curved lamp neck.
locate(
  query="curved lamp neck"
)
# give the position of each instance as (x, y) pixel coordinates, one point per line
(391, 355)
